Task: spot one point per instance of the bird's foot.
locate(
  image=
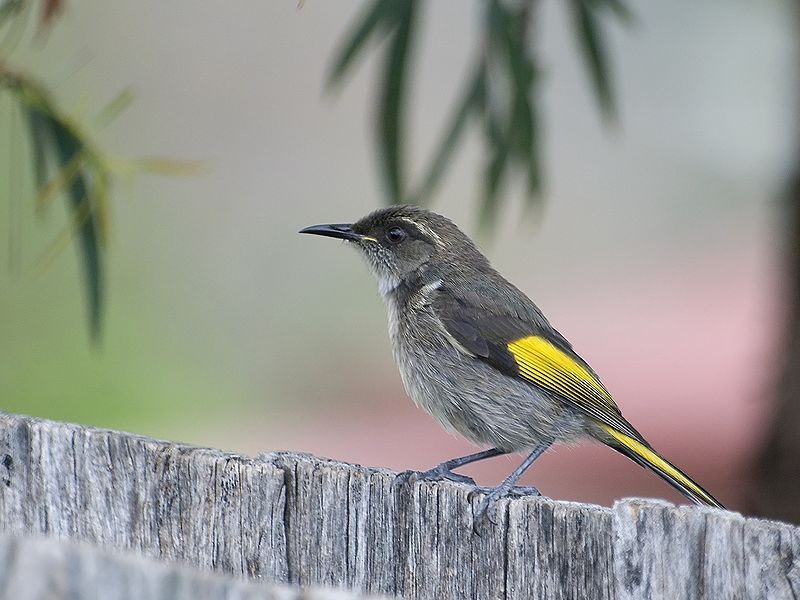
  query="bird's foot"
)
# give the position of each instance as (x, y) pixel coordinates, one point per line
(518, 491)
(435, 474)
(486, 509)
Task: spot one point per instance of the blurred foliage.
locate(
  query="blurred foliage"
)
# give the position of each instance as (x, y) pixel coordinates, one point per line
(501, 94)
(65, 160)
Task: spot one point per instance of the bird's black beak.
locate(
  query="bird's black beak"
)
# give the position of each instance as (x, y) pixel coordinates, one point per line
(342, 231)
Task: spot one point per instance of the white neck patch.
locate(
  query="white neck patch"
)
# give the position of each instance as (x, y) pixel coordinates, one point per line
(426, 289)
(423, 296)
(387, 284)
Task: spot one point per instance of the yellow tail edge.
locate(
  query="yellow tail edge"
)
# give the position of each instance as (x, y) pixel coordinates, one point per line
(648, 458)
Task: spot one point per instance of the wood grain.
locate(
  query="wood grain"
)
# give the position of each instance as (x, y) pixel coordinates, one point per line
(50, 569)
(298, 519)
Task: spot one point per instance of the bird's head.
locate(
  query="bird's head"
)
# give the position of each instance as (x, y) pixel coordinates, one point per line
(407, 244)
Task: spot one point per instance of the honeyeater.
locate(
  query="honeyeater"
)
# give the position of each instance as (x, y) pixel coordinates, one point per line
(479, 355)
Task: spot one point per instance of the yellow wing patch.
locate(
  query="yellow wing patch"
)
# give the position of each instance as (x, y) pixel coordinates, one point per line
(545, 364)
(548, 366)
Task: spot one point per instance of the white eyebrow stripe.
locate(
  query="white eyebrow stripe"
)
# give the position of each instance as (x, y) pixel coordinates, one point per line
(424, 229)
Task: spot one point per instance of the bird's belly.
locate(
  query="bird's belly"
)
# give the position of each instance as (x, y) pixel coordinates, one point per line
(471, 397)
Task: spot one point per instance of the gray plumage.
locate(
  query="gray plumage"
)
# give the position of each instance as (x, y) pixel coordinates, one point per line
(463, 393)
(479, 355)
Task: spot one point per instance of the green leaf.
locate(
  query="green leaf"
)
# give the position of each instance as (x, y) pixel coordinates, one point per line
(38, 132)
(380, 13)
(78, 171)
(590, 36)
(66, 162)
(113, 109)
(167, 166)
(494, 170)
(532, 159)
(59, 182)
(470, 102)
(392, 100)
(507, 32)
(13, 19)
(98, 202)
(49, 134)
(68, 146)
(511, 129)
(622, 12)
(9, 9)
(507, 35)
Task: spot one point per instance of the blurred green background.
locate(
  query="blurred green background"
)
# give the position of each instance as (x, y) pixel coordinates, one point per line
(655, 250)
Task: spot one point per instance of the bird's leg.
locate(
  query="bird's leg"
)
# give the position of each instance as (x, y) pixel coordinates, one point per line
(506, 488)
(445, 470)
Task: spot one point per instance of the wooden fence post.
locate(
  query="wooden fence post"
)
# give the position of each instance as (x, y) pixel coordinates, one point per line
(296, 519)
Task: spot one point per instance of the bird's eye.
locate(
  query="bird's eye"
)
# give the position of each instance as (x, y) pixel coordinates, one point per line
(396, 235)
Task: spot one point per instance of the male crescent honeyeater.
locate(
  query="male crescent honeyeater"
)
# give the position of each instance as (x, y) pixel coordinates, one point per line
(480, 356)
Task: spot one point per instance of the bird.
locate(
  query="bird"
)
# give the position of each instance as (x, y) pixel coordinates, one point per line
(478, 355)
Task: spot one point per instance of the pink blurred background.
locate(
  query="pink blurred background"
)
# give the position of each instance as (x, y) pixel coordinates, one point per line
(691, 366)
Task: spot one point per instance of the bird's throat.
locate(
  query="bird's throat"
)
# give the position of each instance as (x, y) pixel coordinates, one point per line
(387, 285)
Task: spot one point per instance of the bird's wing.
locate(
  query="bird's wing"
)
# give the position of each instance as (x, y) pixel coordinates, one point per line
(531, 350)
(535, 354)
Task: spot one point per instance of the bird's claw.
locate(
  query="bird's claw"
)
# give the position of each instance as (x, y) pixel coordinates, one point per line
(518, 491)
(405, 477)
(487, 508)
(435, 474)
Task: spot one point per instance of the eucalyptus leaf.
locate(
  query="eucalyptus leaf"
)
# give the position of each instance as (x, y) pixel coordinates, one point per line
(167, 166)
(66, 163)
(51, 136)
(379, 14)
(471, 102)
(13, 25)
(60, 181)
(9, 9)
(504, 95)
(38, 135)
(99, 201)
(508, 30)
(509, 49)
(494, 170)
(392, 101)
(113, 109)
(620, 10)
(68, 146)
(592, 43)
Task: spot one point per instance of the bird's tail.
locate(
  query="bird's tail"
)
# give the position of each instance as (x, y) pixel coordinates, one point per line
(648, 458)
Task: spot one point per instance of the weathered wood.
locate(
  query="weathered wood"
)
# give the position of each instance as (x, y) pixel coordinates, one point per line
(662, 551)
(302, 520)
(50, 569)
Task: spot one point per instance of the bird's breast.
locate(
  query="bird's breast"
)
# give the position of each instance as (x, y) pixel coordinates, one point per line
(466, 394)
(420, 351)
